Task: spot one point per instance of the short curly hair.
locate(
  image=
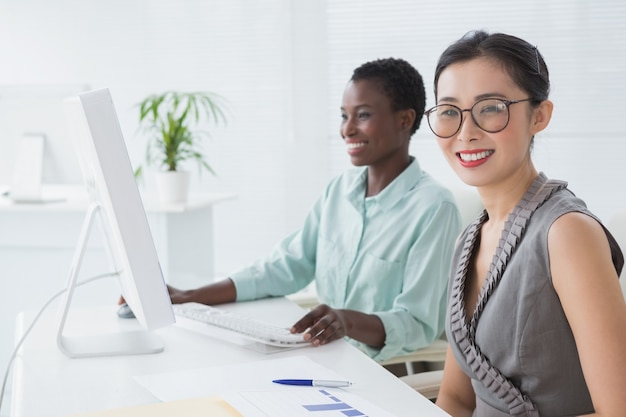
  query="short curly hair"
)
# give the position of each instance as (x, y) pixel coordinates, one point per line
(400, 81)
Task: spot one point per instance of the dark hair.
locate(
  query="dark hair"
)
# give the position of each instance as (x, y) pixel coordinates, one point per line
(521, 60)
(400, 81)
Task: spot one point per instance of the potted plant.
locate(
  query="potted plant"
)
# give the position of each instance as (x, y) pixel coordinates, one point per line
(171, 119)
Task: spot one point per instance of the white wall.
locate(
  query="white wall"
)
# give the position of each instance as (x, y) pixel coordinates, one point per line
(262, 56)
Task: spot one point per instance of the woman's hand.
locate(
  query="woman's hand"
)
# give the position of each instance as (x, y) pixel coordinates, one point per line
(177, 296)
(322, 324)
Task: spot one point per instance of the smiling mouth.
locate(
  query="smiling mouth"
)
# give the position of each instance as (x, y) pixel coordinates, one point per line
(470, 157)
(355, 145)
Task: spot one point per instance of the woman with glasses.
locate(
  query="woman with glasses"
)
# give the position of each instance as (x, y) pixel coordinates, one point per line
(536, 318)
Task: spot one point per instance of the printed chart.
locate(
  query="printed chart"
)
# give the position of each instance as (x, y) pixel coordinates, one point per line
(312, 402)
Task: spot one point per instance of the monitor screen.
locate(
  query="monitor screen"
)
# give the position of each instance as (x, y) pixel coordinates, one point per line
(116, 203)
(37, 109)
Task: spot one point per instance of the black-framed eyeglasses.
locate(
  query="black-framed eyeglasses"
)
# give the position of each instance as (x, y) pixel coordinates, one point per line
(490, 114)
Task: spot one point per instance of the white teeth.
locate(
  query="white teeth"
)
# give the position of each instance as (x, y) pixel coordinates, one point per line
(355, 145)
(467, 157)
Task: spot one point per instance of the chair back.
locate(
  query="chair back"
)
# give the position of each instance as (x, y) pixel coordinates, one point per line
(468, 201)
(617, 227)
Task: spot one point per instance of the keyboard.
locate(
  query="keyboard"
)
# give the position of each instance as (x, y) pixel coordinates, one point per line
(253, 329)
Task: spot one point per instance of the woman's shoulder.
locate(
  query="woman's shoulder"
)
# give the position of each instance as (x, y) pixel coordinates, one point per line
(572, 227)
(560, 203)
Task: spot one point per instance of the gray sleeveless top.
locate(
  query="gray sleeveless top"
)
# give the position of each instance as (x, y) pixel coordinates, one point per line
(518, 347)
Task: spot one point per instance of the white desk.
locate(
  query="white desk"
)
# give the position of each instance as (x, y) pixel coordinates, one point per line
(46, 383)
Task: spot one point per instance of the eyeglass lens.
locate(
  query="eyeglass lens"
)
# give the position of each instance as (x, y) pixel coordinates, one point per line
(491, 115)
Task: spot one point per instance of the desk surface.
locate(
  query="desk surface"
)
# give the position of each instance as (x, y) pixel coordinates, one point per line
(46, 383)
(74, 198)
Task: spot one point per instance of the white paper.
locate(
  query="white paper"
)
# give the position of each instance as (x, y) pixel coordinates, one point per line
(217, 380)
(249, 388)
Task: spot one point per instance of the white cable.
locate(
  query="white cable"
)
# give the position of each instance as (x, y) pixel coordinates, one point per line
(19, 344)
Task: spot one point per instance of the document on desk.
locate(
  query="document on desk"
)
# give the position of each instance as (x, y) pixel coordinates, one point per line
(194, 407)
(249, 389)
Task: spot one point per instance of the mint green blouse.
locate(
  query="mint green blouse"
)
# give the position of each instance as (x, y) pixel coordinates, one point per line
(388, 255)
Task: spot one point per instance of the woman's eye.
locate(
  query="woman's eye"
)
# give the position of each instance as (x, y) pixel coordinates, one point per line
(449, 112)
(344, 117)
(363, 115)
(493, 108)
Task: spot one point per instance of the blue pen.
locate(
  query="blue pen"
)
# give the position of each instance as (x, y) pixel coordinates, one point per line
(313, 382)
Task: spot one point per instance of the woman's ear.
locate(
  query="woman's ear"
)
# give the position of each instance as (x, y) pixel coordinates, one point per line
(407, 118)
(541, 116)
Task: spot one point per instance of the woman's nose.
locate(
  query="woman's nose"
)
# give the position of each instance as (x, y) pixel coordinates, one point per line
(468, 129)
(348, 128)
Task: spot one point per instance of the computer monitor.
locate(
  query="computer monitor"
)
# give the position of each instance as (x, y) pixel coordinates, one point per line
(115, 201)
(34, 140)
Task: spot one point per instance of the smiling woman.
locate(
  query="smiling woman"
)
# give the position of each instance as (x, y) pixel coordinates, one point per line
(534, 283)
(378, 120)
(378, 240)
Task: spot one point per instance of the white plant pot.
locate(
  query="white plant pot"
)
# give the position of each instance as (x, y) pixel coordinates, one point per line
(172, 186)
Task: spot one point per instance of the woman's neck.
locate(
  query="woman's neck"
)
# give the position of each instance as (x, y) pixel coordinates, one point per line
(378, 178)
(500, 199)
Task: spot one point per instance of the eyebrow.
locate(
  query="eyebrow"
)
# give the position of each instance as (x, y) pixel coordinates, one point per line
(358, 107)
(479, 97)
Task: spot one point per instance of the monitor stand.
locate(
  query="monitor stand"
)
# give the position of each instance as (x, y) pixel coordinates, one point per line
(107, 344)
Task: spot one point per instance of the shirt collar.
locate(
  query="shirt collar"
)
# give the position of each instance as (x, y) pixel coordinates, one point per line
(392, 193)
